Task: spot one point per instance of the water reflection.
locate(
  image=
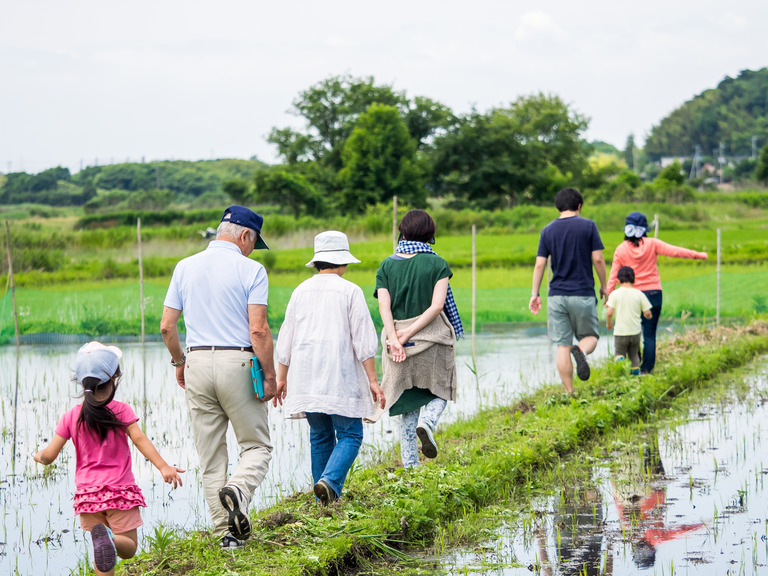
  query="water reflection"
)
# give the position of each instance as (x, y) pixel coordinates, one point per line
(40, 533)
(691, 500)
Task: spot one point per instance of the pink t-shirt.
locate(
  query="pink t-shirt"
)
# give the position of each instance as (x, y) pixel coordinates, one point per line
(643, 260)
(100, 464)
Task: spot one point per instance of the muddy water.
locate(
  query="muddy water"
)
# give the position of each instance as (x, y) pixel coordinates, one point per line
(692, 501)
(40, 533)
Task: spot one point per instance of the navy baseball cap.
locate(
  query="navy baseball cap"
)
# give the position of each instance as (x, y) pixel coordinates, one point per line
(636, 225)
(248, 218)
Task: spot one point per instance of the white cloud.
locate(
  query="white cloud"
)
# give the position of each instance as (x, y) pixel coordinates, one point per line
(730, 22)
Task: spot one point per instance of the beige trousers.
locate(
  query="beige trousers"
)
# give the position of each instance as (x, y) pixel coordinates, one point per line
(219, 390)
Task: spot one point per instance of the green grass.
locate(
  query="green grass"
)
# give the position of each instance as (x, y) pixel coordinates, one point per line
(502, 453)
(113, 307)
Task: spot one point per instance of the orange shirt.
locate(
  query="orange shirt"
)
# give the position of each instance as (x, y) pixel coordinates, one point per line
(643, 260)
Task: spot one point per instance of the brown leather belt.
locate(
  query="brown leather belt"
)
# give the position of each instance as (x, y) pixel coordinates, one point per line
(240, 348)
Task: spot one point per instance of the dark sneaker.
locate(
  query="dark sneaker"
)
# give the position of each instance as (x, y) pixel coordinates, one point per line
(582, 368)
(232, 499)
(325, 493)
(229, 542)
(428, 445)
(104, 554)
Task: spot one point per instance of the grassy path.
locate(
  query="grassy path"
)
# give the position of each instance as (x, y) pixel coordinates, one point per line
(490, 457)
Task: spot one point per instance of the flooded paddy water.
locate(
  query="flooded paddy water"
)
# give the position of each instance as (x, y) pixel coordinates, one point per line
(40, 533)
(693, 500)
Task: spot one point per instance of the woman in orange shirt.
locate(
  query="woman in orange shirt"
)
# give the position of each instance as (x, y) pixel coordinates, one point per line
(641, 254)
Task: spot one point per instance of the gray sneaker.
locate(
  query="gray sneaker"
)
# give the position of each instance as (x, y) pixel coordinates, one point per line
(582, 368)
(428, 445)
(232, 499)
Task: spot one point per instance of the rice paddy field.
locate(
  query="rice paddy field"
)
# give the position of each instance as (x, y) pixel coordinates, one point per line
(40, 533)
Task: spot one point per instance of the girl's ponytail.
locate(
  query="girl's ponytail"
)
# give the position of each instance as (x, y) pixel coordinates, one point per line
(95, 415)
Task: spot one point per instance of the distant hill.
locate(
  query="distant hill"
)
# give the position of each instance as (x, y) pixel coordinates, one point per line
(57, 187)
(732, 113)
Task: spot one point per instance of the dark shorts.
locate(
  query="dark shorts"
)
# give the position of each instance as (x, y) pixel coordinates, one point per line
(569, 316)
(629, 347)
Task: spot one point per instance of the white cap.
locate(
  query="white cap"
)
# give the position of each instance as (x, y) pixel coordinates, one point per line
(94, 360)
(332, 247)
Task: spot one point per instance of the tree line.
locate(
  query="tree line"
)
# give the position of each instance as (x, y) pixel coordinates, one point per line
(362, 143)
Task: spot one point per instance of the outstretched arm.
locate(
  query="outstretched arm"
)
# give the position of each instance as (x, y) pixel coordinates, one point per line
(170, 473)
(48, 454)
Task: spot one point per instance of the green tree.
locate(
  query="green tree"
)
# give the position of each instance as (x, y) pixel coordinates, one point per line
(761, 171)
(379, 162)
(287, 186)
(629, 152)
(525, 152)
(672, 174)
(238, 189)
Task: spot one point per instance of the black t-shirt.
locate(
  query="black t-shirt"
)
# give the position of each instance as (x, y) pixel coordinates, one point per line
(570, 243)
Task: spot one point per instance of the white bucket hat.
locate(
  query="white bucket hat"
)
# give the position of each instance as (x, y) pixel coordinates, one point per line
(95, 360)
(332, 247)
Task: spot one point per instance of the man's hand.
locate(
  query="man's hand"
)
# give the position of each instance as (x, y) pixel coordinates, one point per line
(180, 377)
(534, 305)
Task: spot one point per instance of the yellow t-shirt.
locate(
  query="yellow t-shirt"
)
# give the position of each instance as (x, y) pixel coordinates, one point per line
(629, 305)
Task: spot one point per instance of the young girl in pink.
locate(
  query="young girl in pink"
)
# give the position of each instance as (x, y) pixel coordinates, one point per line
(107, 497)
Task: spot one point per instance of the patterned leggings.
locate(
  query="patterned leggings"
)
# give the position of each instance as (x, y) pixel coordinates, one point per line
(429, 415)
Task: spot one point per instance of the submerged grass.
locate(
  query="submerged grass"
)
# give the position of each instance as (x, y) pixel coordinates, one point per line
(489, 458)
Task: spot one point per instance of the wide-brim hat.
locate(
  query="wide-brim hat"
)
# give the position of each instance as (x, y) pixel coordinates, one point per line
(95, 360)
(636, 225)
(248, 218)
(332, 247)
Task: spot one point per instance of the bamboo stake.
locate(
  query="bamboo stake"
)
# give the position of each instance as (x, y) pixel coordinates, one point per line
(717, 316)
(474, 286)
(141, 295)
(394, 223)
(18, 342)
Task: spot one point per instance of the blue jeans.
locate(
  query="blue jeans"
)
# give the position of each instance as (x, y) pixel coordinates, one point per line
(649, 330)
(334, 444)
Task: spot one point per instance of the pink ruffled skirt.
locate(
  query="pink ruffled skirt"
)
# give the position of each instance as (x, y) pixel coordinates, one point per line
(100, 498)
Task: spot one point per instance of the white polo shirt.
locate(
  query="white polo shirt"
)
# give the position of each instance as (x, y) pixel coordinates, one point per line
(213, 289)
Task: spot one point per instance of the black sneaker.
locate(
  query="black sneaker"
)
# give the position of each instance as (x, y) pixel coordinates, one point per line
(229, 542)
(325, 493)
(104, 554)
(582, 368)
(232, 499)
(428, 445)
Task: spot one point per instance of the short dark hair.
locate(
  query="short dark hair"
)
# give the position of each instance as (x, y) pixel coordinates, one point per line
(626, 274)
(568, 199)
(325, 265)
(418, 226)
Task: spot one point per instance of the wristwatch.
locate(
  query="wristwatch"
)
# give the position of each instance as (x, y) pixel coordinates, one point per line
(180, 362)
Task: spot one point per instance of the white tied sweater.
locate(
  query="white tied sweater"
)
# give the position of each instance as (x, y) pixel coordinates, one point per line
(327, 333)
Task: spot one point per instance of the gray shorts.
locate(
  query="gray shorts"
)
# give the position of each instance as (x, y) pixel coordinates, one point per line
(569, 316)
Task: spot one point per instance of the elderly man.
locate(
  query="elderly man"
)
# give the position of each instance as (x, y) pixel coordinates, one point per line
(223, 295)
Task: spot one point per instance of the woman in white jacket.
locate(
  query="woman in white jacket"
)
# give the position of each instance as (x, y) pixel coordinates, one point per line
(326, 371)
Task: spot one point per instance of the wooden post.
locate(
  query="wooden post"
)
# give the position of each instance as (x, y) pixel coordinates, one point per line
(18, 342)
(474, 285)
(717, 314)
(141, 296)
(394, 223)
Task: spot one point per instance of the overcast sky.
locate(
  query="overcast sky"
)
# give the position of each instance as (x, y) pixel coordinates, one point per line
(82, 80)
